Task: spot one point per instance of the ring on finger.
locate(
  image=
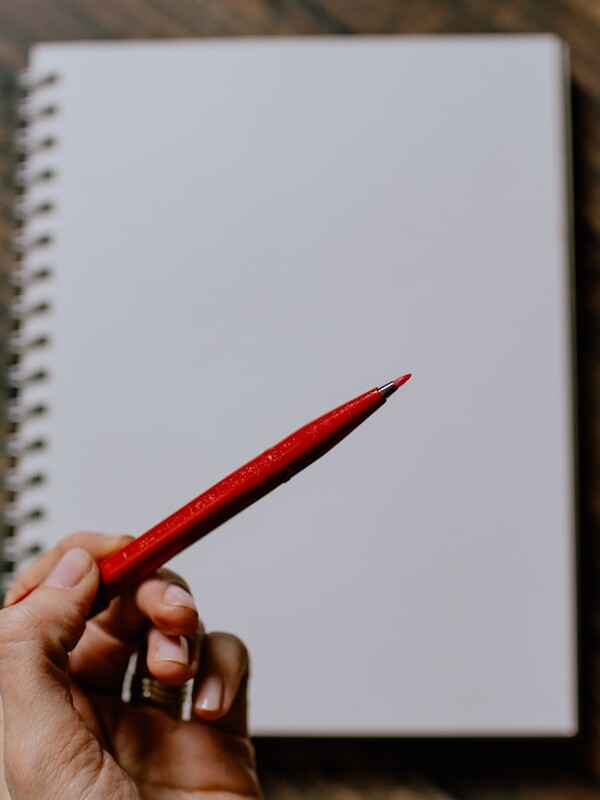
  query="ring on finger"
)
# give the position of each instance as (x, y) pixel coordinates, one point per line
(145, 690)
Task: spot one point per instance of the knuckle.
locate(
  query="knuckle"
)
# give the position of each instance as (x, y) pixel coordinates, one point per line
(19, 627)
(25, 630)
(17, 624)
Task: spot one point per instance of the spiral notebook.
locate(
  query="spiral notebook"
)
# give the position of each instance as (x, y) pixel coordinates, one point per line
(224, 239)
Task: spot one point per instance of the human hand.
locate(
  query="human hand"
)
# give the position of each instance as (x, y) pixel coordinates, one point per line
(68, 735)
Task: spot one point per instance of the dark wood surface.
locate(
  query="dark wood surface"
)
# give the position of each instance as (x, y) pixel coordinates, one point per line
(400, 769)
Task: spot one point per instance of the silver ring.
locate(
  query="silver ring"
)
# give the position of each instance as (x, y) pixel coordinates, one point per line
(149, 692)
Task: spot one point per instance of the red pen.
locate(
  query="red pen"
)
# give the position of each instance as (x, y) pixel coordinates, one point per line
(236, 492)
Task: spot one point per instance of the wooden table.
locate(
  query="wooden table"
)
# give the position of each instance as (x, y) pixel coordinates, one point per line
(399, 769)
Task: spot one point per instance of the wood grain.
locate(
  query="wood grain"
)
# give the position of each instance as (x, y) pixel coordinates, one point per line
(401, 770)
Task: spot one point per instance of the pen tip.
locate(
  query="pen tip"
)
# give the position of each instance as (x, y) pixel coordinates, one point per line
(393, 386)
(400, 381)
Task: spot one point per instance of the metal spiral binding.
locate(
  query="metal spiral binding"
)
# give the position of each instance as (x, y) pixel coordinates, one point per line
(24, 235)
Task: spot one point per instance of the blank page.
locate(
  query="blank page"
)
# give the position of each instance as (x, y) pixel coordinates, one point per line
(249, 232)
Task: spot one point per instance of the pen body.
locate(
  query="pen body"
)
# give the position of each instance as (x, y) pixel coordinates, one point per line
(232, 494)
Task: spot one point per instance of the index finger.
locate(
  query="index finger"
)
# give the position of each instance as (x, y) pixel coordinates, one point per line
(161, 602)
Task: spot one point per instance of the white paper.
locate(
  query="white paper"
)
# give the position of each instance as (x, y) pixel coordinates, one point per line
(248, 233)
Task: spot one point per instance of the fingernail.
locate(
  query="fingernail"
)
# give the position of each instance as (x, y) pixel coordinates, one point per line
(72, 567)
(176, 595)
(172, 648)
(210, 695)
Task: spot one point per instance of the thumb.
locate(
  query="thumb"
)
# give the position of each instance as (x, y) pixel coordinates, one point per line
(44, 737)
